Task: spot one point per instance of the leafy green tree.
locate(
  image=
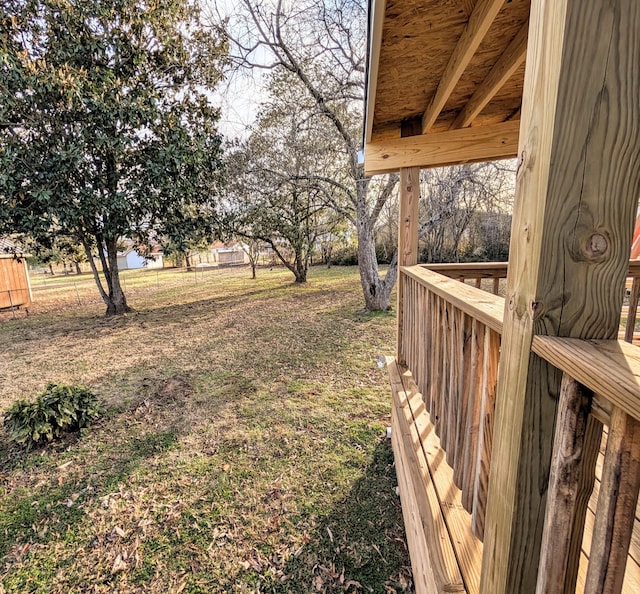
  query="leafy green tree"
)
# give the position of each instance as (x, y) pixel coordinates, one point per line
(106, 126)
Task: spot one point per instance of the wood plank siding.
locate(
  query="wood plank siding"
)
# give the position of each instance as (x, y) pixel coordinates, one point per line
(15, 290)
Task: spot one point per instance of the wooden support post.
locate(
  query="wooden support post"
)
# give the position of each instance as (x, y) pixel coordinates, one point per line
(576, 195)
(575, 452)
(407, 239)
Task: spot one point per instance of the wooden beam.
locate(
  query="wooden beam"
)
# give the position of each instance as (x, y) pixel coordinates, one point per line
(377, 21)
(480, 20)
(570, 243)
(498, 141)
(407, 239)
(504, 69)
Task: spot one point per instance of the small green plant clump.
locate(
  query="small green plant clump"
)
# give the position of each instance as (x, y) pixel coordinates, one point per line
(58, 409)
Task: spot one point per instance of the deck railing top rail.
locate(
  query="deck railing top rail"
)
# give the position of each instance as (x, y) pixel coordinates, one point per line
(609, 368)
(491, 269)
(479, 304)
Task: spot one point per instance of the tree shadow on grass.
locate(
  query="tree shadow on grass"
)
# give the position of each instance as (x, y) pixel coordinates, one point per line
(48, 512)
(359, 546)
(103, 457)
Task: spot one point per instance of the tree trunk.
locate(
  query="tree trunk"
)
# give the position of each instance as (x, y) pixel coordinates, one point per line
(188, 261)
(114, 299)
(301, 275)
(51, 269)
(300, 267)
(78, 271)
(253, 270)
(116, 302)
(376, 291)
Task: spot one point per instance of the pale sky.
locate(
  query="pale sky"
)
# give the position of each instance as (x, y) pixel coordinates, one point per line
(239, 95)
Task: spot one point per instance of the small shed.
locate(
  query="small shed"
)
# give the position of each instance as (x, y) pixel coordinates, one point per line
(15, 288)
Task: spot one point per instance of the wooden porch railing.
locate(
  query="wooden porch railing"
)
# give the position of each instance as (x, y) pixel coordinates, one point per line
(444, 399)
(495, 271)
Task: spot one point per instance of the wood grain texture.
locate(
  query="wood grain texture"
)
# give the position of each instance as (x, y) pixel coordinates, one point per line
(467, 548)
(483, 14)
(419, 38)
(409, 197)
(577, 188)
(575, 450)
(610, 368)
(616, 506)
(465, 400)
(423, 579)
(491, 359)
(503, 70)
(478, 304)
(455, 376)
(497, 141)
(15, 289)
(441, 557)
(474, 412)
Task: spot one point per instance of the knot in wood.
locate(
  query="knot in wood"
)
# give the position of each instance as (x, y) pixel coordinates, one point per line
(536, 308)
(596, 246)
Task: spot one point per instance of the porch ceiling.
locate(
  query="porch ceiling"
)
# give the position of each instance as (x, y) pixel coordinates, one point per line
(445, 81)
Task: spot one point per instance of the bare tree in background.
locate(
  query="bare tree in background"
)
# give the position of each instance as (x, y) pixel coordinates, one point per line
(450, 199)
(322, 46)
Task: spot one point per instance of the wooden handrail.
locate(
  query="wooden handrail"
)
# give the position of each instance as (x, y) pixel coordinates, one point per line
(610, 368)
(451, 344)
(470, 269)
(493, 269)
(483, 306)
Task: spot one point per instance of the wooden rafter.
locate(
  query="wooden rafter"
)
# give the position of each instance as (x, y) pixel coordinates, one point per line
(479, 22)
(504, 69)
(485, 143)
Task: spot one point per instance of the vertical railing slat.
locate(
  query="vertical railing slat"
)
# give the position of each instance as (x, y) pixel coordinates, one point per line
(616, 506)
(446, 372)
(485, 432)
(633, 308)
(464, 420)
(575, 451)
(436, 393)
(456, 384)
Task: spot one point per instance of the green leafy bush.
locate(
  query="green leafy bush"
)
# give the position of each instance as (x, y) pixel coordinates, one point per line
(57, 410)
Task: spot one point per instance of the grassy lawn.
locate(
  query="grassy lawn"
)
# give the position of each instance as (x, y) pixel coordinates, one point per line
(242, 449)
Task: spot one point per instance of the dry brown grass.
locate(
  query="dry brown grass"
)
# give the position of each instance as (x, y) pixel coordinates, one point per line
(242, 450)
